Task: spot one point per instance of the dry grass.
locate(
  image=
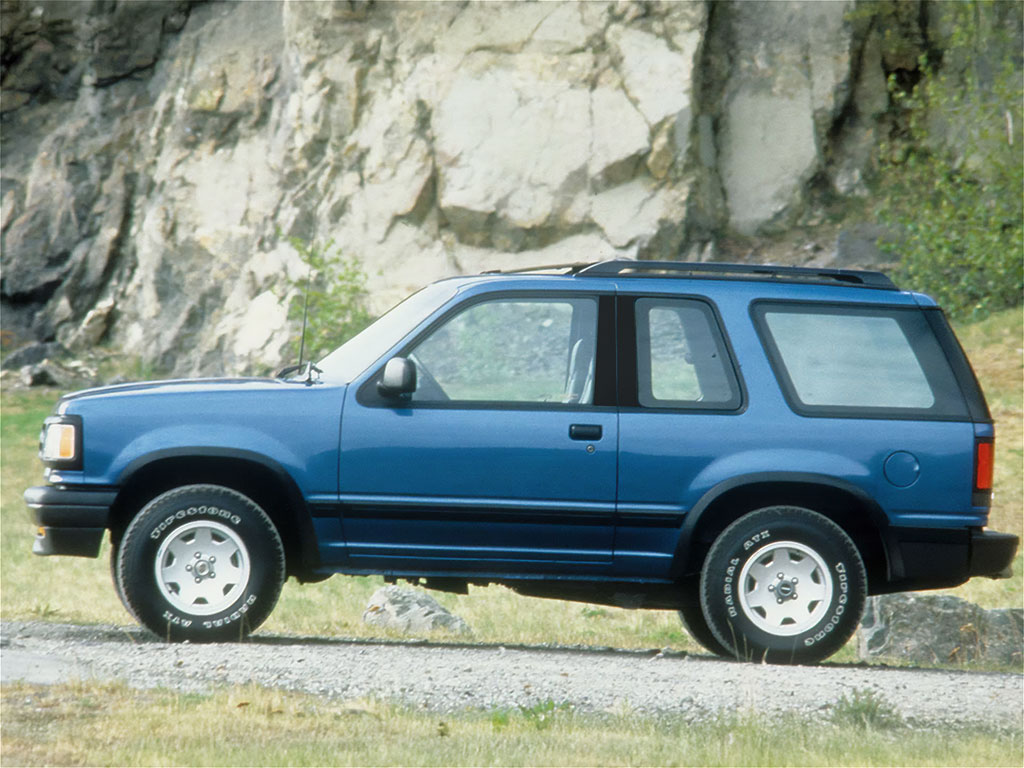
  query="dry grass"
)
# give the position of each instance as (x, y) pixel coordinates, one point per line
(110, 724)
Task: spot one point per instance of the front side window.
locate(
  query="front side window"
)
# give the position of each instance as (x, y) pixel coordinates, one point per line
(858, 360)
(682, 361)
(515, 350)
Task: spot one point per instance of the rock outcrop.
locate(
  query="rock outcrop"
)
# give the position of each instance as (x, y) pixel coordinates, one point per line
(938, 629)
(157, 156)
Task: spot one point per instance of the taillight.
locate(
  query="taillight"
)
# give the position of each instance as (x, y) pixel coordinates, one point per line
(984, 455)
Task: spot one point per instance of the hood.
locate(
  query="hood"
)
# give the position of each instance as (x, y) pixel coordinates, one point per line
(180, 386)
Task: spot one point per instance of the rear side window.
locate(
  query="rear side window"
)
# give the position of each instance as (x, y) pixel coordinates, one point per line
(682, 361)
(858, 361)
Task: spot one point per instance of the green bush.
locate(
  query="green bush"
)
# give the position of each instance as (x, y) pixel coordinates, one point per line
(332, 295)
(951, 182)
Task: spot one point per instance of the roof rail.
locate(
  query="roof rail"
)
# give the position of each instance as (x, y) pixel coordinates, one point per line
(565, 269)
(630, 268)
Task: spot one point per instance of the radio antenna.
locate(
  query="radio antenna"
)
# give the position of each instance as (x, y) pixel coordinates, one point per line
(305, 315)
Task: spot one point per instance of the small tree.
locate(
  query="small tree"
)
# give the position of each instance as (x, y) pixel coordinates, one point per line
(951, 182)
(331, 296)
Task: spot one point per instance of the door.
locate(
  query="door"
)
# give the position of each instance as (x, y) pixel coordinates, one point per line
(680, 396)
(504, 456)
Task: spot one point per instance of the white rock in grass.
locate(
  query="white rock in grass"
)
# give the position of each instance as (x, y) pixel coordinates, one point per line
(411, 611)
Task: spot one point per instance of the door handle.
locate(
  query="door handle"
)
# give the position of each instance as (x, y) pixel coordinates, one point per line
(585, 431)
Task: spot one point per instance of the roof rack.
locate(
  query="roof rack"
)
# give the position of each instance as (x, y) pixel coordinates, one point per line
(631, 268)
(565, 269)
(626, 268)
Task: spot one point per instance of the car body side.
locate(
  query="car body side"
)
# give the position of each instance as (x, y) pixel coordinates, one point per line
(670, 480)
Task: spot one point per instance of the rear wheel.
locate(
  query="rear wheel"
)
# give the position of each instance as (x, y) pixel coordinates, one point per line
(201, 563)
(784, 585)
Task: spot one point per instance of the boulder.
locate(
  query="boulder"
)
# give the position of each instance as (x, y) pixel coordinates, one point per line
(411, 611)
(933, 629)
(32, 354)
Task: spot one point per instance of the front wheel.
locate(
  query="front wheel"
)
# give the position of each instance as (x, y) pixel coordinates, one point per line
(201, 563)
(784, 585)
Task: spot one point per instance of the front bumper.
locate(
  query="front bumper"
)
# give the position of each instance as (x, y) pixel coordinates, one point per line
(935, 558)
(71, 521)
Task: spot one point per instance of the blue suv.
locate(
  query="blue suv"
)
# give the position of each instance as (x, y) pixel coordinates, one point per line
(758, 448)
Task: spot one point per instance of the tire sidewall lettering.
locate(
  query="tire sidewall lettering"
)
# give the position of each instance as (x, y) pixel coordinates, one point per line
(234, 616)
(215, 513)
(840, 599)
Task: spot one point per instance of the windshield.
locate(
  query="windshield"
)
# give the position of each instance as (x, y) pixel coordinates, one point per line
(362, 350)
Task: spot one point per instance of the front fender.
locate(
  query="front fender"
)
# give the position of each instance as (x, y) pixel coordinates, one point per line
(225, 441)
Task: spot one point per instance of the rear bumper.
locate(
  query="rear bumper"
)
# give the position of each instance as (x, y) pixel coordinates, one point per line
(934, 558)
(70, 521)
(992, 554)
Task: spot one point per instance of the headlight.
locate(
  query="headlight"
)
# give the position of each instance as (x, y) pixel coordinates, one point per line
(60, 444)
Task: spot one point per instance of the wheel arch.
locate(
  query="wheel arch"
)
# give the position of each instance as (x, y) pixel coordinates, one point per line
(261, 479)
(842, 502)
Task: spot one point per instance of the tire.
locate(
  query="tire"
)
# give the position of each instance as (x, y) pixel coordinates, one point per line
(115, 550)
(692, 617)
(784, 585)
(201, 563)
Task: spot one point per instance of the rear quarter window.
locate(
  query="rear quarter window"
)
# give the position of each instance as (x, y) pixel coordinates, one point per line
(682, 360)
(858, 361)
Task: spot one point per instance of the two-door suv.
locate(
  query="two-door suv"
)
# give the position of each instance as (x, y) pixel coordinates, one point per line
(758, 448)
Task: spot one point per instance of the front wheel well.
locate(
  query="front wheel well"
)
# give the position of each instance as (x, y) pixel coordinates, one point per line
(283, 504)
(845, 509)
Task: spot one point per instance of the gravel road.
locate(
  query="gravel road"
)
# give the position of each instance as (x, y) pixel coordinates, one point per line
(447, 677)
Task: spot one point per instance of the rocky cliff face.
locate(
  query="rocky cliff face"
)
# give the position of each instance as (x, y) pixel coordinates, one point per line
(157, 155)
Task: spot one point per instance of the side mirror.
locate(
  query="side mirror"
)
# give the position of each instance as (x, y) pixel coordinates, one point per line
(399, 378)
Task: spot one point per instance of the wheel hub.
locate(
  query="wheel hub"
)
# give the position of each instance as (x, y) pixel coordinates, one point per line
(785, 588)
(202, 567)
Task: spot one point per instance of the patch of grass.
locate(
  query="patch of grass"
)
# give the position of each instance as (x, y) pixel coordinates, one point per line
(496, 614)
(867, 710)
(109, 724)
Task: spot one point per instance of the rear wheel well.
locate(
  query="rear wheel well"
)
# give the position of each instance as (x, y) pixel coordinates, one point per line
(843, 508)
(284, 506)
